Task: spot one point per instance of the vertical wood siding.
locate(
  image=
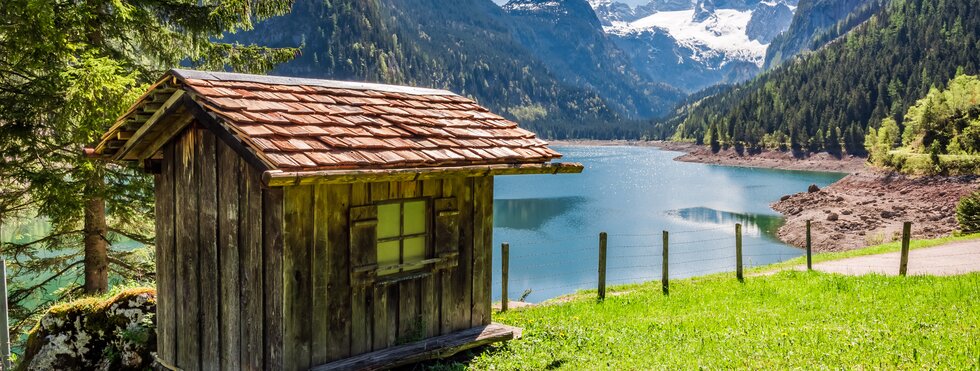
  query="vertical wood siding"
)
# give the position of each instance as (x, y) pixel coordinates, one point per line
(219, 259)
(329, 231)
(187, 174)
(165, 258)
(254, 278)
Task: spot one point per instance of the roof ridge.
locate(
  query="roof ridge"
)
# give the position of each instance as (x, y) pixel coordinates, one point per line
(297, 81)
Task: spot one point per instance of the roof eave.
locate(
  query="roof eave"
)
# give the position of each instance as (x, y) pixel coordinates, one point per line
(277, 178)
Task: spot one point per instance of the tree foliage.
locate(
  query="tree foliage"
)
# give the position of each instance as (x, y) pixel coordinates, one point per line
(68, 68)
(941, 134)
(968, 213)
(948, 120)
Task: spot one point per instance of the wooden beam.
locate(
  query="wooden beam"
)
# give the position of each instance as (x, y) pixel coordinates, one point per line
(166, 134)
(145, 128)
(276, 178)
(152, 106)
(436, 347)
(163, 83)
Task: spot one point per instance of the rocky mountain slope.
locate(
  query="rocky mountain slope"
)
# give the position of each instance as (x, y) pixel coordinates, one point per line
(568, 38)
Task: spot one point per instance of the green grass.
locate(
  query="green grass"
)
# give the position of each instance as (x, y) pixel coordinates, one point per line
(790, 320)
(870, 250)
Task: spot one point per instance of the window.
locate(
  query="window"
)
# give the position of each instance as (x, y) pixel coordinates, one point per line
(402, 236)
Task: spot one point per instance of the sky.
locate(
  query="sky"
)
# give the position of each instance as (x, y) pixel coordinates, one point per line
(630, 2)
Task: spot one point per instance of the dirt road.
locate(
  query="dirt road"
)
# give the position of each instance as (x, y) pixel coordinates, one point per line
(950, 259)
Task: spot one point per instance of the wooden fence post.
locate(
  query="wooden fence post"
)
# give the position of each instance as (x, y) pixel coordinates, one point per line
(738, 251)
(903, 267)
(665, 279)
(4, 313)
(504, 262)
(4, 324)
(602, 266)
(809, 248)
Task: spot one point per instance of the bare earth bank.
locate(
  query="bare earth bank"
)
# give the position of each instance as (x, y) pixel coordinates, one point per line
(866, 207)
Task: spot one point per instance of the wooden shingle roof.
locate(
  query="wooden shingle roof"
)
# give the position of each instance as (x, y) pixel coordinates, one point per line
(306, 125)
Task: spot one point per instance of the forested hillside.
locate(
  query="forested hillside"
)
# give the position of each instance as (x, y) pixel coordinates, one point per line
(466, 46)
(827, 100)
(941, 135)
(817, 22)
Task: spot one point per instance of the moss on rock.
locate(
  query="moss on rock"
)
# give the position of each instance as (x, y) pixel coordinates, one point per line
(117, 333)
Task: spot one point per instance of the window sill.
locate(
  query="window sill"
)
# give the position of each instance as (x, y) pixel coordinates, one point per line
(369, 274)
(396, 278)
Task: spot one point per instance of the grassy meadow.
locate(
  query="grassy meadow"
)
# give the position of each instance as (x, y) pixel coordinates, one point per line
(790, 320)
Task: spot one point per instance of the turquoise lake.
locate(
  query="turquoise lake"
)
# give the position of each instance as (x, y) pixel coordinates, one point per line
(552, 222)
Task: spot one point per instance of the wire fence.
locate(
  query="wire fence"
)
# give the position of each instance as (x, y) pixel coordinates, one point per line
(640, 257)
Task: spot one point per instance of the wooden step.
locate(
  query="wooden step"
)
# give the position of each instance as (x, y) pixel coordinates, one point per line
(432, 348)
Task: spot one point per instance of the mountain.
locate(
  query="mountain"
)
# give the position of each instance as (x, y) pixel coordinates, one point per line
(556, 11)
(467, 46)
(816, 23)
(829, 98)
(610, 11)
(707, 43)
(768, 21)
(568, 38)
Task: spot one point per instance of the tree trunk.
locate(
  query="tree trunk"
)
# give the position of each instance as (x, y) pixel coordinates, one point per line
(96, 246)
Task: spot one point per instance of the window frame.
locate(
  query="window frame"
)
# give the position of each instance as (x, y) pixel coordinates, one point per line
(424, 265)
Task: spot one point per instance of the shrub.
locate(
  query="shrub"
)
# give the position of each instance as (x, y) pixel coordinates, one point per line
(968, 213)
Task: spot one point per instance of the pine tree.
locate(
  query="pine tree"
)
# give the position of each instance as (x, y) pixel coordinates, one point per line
(715, 139)
(70, 68)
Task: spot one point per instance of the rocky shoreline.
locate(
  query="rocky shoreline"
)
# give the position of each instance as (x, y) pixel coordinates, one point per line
(869, 208)
(866, 207)
(765, 159)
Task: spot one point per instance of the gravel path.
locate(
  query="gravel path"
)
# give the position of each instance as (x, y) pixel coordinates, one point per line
(945, 260)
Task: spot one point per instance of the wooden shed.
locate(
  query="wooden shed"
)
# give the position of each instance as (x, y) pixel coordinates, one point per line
(308, 223)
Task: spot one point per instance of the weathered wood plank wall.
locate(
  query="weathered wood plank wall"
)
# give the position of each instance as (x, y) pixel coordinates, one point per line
(165, 258)
(187, 299)
(229, 252)
(330, 244)
(219, 254)
(257, 278)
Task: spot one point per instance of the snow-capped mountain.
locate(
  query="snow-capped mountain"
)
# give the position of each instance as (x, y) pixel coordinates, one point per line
(566, 35)
(610, 11)
(720, 34)
(695, 44)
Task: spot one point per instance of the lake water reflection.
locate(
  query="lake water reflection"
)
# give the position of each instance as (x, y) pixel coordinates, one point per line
(633, 193)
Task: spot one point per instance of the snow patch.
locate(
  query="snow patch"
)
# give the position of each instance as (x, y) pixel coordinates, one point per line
(723, 34)
(532, 6)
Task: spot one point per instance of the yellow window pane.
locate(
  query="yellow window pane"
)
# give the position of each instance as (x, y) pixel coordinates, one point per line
(388, 255)
(389, 217)
(414, 217)
(414, 251)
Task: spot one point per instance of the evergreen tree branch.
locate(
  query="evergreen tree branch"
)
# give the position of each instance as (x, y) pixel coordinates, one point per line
(146, 240)
(19, 294)
(48, 238)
